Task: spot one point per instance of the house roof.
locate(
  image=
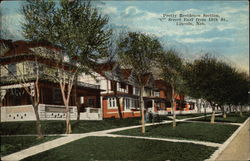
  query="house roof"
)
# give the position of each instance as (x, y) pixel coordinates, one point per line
(161, 84)
(111, 71)
(104, 67)
(19, 51)
(126, 73)
(21, 47)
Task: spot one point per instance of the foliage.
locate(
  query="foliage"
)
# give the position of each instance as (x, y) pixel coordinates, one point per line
(171, 67)
(76, 27)
(138, 51)
(79, 31)
(92, 148)
(215, 81)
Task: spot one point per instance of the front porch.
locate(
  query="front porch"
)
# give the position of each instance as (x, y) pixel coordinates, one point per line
(16, 104)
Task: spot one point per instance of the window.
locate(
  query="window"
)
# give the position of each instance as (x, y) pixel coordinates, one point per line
(113, 85)
(57, 95)
(137, 103)
(91, 102)
(133, 103)
(157, 94)
(136, 91)
(147, 92)
(81, 100)
(12, 68)
(122, 87)
(112, 102)
(127, 103)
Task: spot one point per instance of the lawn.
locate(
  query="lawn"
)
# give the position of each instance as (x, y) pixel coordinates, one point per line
(11, 144)
(58, 127)
(232, 118)
(191, 131)
(108, 148)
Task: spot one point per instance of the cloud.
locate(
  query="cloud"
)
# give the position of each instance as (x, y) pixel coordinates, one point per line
(109, 10)
(197, 40)
(133, 13)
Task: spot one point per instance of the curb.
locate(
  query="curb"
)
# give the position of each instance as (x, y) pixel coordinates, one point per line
(227, 142)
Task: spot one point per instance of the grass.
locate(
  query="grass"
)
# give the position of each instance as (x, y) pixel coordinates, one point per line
(107, 148)
(11, 144)
(191, 131)
(58, 127)
(231, 118)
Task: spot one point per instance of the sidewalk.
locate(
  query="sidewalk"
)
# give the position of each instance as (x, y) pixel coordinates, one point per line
(239, 148)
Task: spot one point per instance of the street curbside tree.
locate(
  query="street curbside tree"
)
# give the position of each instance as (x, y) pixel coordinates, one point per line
(29, 81)
(139, 52)
(171, 67)
(77, 29)
(217, 82)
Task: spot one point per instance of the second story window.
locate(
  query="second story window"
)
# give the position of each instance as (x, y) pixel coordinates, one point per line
(113, 85)
(136, 91)
(12, 69)
(156, 93)
(122, 87)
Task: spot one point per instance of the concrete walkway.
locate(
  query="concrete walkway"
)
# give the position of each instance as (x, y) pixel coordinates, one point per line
(165, 139)
(239, 148)
(223, 123)
(69, 138)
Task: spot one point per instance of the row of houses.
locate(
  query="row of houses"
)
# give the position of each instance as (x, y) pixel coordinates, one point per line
(96, 94)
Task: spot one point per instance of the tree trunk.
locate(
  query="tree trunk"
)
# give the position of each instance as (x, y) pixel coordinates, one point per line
(142, 110)
(114, 87)
(213, 115)
(241, 114)
(76, 101)
(118, 107)
(198, 106)
(205, 111)
(172, 105)
(224, 112)
(68, 125)
(38, 122)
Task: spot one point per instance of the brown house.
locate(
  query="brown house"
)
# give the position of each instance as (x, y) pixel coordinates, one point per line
(17, 61)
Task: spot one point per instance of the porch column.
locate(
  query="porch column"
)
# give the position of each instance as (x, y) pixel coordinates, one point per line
(153, 106)
(101, 107)
(3, 93)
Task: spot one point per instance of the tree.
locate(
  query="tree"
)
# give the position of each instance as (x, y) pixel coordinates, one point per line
(138, 51)
(115, 73)
(239, 96)
(171, 66)
(212, 80)
(30, 87)
(77, 28)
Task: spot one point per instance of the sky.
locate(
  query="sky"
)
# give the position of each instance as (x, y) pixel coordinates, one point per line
(227, 39)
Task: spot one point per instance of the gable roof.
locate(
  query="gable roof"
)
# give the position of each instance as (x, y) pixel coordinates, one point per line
(21, 47)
